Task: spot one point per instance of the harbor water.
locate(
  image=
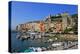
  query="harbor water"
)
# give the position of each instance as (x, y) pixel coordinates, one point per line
(20, 46)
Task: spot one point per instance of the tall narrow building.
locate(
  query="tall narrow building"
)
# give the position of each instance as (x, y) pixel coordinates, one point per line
(64, 20)
(49, 21)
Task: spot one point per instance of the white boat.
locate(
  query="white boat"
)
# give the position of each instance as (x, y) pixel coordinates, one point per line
(57, 44)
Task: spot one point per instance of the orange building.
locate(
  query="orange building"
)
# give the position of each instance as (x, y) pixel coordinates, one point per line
(41, 26)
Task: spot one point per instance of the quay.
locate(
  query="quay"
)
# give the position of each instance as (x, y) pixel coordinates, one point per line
(52, 36)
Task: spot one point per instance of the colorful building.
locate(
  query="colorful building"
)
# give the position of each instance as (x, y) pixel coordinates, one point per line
(57, 23)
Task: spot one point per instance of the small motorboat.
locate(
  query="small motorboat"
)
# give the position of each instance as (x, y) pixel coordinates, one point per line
(57, 44)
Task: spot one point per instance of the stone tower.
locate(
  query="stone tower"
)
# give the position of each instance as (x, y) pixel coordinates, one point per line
(66, 20)
(49, 21)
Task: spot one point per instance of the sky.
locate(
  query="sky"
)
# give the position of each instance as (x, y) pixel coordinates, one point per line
(22, 12)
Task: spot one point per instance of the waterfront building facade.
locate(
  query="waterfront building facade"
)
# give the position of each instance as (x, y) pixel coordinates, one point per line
(57, 23)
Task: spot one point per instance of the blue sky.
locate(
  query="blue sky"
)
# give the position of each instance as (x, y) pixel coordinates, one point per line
(23, 12)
